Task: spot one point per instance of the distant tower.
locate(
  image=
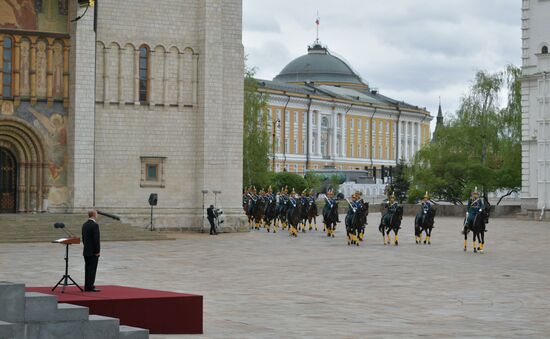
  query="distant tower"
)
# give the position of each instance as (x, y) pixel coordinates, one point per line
(439, 123)
(535, 108)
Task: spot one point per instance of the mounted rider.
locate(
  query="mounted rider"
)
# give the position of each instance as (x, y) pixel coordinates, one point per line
(392, 208)
(474, 207)
(425, 206)
(330, 202)
(354, 205)
(252, 199)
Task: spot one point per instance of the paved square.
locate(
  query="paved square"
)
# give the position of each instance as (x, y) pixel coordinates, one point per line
(260, 285)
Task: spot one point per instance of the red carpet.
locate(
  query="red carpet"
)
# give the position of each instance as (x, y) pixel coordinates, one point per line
(160, 312)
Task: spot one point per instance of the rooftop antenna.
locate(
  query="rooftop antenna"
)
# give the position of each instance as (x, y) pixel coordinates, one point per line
(317, 22)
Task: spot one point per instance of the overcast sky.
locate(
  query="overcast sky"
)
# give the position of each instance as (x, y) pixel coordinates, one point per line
(411, 50)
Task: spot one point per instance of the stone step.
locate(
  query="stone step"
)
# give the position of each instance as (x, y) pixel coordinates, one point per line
(69, 312)
(12, 302)
(129, 332)
(6, 331)
(101, 327)
(19, 228)
(40, 307)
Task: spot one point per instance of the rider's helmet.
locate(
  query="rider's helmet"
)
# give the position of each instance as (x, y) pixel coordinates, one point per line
(475, 193)
(330, 193)
(426, 196)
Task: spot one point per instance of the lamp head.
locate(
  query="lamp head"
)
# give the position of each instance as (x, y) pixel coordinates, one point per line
(204, 191)
(59, 225)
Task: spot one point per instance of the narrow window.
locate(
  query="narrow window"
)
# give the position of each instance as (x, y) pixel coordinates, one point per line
(544, 50)
(143, 73)
(152, 172)
(7, 58)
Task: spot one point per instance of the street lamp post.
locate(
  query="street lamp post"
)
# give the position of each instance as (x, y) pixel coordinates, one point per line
(276, 124)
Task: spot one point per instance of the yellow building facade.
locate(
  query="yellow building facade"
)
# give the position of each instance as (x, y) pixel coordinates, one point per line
(323, 116)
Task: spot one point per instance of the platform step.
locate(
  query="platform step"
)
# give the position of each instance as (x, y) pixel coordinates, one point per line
(70, 312)
(12, 302)
(40, 307)
(101, 327)
(129, 332)
(6, 331)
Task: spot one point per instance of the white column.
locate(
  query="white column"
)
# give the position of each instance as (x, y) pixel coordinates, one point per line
(319, 133)
(406, 123)
(334, 151)
(310, 133)
(343, 142)
(418, 136)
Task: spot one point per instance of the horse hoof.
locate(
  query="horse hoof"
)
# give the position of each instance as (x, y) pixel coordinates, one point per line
(333, 235)
(396, 243)
(465, 249)
(429, 242)
(424, 241)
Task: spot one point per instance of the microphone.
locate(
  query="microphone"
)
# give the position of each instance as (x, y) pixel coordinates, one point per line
(61, 226)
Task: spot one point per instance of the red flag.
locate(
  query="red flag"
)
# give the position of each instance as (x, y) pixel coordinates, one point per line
(317, 21)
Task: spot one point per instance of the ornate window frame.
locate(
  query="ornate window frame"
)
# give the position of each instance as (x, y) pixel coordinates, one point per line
(152, 161)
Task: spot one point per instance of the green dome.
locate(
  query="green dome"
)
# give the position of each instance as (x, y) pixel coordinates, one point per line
(318, 65)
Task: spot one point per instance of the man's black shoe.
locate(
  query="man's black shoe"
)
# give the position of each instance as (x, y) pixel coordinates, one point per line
(94, 290)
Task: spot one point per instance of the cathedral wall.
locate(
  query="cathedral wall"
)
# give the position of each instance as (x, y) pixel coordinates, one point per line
(175, 141)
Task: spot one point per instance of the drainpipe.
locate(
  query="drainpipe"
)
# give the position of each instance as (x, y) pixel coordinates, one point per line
(307, 133)
(284, 139)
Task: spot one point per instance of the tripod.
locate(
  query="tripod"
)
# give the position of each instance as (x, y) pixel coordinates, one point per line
(66, 277)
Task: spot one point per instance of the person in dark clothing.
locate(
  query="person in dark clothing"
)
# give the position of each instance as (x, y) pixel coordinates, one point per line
(90, 239)
(211, 217)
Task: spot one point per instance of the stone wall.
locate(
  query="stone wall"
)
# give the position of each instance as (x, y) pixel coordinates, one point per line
(192, 120)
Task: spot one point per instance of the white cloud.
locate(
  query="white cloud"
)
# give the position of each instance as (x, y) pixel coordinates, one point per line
(412, 50)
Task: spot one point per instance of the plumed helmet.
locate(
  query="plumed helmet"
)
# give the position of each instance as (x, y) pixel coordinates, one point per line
(426, 195)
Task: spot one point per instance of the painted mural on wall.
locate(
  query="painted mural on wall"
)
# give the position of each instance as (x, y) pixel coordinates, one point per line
(34, 15)
(51, 122)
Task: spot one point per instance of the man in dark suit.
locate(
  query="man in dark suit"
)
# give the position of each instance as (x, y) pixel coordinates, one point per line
(90, 239)
(211, 217)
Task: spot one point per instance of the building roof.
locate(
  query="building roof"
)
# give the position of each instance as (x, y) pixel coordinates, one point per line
(361, 96)
(319, 65)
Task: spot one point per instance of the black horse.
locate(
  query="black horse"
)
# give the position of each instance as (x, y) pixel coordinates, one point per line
(293, 216)
(312, 213)
(363, 213)
(478, 228)
(394, 225)
(282, 210)
(270, 214)
(424, 223)
(258, 212)
(330, 219)
(353, 227)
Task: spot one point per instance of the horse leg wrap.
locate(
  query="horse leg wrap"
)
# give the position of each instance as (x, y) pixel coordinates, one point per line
(475, 246)
(428, 239)
(465, 243)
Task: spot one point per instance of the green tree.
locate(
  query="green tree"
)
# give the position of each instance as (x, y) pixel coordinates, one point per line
(480, 147)
(400, 184)
(255, 134)
(290, 180)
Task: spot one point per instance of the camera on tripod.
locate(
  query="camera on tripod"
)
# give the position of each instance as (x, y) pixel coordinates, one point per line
(218, 212)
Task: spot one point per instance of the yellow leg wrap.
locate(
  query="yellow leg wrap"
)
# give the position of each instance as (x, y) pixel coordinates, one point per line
(481, 246)
(389, 238)
(428, 238)
(420, 237)
(396, 238)
(475, 244)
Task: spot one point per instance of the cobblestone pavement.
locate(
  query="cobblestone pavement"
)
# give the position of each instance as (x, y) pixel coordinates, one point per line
(260, 285)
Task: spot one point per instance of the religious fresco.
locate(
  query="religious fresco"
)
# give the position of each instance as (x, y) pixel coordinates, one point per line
(34, 15)
(50, 121)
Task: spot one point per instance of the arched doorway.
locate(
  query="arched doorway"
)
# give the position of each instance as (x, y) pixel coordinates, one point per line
(23, 168)
(8, 181)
